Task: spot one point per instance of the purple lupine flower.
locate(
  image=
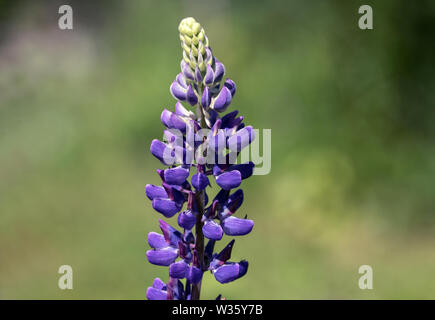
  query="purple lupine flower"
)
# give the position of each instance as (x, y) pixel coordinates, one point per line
(231, 271)
(200, 84)
(166, 247)
(225, 271)
(167, 199)
(157, 291)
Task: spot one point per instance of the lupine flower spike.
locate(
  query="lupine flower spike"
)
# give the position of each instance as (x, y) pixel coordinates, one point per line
(202, 143)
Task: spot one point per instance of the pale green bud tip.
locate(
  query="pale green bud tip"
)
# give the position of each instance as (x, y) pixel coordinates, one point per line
(189, 27)
(194, 43)
(192, 34)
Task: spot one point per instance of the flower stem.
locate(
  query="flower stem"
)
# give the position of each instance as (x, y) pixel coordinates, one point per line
(199, 238)
(199, 241)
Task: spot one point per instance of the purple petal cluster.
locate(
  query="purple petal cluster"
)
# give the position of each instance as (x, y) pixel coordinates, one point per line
(199, 146)
(206, 87)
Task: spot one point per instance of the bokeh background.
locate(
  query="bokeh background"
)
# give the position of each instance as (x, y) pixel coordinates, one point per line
(353, 154)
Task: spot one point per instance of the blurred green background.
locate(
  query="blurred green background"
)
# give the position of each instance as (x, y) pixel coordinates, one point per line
(353, 152)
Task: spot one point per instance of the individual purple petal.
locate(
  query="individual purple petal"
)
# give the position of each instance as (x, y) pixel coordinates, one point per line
(172, 235)
(212, 230)
(179, 292)
(173, 137)
(243, 268)
(156, 294)
(225, 253)
(167, 155)
(177, 91)
(200, 181)
(210, 117)
(206, 98)
(198, 76)
(181, 110)
(222, 197)
(229, 97)
(164, 153)
(159, 150)
(189, 238)
(177, 123)
(176, 175)
(216, 126)
(219, 72)
(159, 284)
(230, 272)
(185, 69)
(234, 226)
(160, 173)
(166, 207)
(178, 270)
(245, 169)
(172, 121)
(191, 97)
(228, 119)
(162, 257)
(222, 257)
(229, 205)
(186, 220)
(233, 203)
(237, 123)
(209, 248)
(165, 117)
(181, 80)
(208, 78)
(174, 193)
(153, 192)
(156, 241)
(175, 289)
(229, 180)
(208, 53)
(230, 84)
(212, 210)
(222, 100)
(194, 274)
(183, 249)
(217, 170)
(241, 139)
